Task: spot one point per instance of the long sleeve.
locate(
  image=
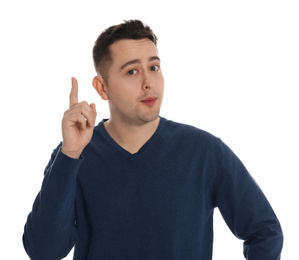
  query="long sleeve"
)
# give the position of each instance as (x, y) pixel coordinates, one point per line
(50, 231)
(245, 209)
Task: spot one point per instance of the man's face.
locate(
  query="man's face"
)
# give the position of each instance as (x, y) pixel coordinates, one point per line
(135, 84)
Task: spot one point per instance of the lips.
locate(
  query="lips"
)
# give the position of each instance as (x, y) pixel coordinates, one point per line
(150, 101)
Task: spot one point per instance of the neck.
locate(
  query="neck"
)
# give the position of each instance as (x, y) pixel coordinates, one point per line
(131, 137)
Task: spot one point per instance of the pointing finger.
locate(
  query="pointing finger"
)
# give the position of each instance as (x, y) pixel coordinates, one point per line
(74, 93)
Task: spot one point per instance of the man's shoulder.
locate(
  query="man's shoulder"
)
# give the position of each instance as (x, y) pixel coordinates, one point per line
(187, 131)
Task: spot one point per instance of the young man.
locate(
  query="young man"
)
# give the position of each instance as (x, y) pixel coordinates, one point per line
(138, 186)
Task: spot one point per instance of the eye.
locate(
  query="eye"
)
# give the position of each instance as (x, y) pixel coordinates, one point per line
(155, 68)
(132, 72)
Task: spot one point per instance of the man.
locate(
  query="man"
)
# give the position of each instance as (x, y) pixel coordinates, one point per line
(138, 186)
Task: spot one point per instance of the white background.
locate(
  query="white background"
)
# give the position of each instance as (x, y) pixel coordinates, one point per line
(230, 67)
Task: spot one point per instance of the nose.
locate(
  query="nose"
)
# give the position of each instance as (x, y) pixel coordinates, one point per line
(147, 82)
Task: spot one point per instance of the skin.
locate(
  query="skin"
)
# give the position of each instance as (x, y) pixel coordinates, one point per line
(134, 75)
(77, 124)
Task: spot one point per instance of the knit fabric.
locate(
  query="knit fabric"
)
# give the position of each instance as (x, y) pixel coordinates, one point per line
(155, 204)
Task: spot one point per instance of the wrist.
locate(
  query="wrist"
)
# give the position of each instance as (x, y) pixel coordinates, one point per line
(74, 155)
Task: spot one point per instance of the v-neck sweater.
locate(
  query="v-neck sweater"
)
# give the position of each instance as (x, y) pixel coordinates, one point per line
(123, 151)
(155, 204)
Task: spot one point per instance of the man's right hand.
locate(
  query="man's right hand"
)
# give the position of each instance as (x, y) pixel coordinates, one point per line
(77, 124)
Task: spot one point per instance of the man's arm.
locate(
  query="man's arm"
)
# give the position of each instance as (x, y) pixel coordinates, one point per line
(50, 230)
(245, 209)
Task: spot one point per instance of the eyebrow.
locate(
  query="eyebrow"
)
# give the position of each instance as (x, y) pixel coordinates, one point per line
(138, 61)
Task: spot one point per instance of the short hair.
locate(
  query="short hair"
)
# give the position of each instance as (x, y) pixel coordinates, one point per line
(131, 29)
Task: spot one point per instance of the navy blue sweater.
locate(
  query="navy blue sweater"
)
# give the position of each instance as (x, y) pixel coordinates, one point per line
(156, 204)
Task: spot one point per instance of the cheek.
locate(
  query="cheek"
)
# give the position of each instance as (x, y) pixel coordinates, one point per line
(160, 81)
(122, 93)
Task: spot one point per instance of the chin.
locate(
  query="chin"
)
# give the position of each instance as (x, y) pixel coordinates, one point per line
(150, 117)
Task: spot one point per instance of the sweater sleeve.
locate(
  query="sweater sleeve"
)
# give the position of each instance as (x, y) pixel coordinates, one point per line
(50, 231)
(245, 208)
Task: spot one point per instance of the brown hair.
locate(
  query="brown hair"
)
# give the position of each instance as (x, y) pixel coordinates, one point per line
(132, 29)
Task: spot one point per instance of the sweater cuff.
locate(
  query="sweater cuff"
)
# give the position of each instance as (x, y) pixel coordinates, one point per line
(66, 165)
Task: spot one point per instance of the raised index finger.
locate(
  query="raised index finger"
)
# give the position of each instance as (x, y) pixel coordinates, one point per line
(74, 93)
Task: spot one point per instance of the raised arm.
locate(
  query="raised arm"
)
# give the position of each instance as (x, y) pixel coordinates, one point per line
(50, 231)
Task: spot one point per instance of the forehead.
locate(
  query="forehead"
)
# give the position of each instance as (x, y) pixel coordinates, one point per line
(124, 50)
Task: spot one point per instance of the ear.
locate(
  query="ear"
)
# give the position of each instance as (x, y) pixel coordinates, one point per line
(100, 86)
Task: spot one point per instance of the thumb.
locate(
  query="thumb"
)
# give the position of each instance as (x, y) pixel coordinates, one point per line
(94, 110)
(93, 107)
